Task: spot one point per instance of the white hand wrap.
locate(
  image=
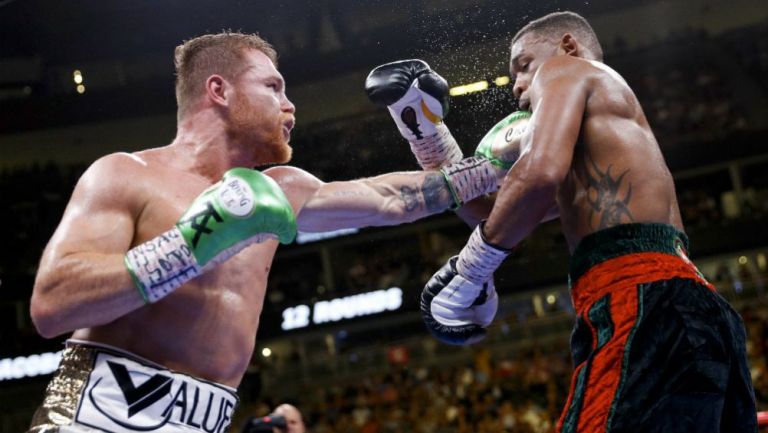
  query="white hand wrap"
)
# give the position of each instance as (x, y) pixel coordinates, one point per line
(470, 178)
(436, 150)
(478, 260)
(162, 264)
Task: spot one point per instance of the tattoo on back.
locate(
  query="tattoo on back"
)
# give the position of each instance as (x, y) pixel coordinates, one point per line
(607, 207)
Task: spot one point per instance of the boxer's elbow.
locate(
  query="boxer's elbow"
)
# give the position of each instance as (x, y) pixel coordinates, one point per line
(539, 178)
(43, 319)
(45, 312)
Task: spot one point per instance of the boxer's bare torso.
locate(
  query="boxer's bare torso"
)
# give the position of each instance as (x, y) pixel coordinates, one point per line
(591, 137)
(618, 174)
(206, 328)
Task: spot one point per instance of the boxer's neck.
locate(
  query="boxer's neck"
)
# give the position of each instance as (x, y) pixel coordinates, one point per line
(203, 146)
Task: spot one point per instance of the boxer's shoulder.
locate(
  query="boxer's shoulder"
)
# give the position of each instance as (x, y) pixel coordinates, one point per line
(112, 177)
(566, 68)
(121, 162)
(297, 184)
(137, 183)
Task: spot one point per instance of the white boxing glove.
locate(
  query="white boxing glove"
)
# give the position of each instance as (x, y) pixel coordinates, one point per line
(417, 99)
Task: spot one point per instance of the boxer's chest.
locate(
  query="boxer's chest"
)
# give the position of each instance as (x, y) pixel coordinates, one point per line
(167, 201)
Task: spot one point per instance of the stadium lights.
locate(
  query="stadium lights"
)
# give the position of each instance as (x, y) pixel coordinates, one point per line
(29, 366)
(77, 77)
(501, 81)
(478, 86)
(469, 88)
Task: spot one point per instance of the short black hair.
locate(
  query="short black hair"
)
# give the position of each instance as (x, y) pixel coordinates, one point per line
(557, 24)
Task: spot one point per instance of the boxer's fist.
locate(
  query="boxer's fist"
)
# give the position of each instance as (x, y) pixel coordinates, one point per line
(244, 208)
(416, 96)
(456, 310)
(501, 145)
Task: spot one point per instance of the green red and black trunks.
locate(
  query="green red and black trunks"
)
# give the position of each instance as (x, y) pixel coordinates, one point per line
(655, 348)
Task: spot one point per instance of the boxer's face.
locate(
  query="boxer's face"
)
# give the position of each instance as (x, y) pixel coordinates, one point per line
(526, 55)
(261, 114)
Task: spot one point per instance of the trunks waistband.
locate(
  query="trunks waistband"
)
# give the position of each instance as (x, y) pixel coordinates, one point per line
(108, 389)
(625, 239)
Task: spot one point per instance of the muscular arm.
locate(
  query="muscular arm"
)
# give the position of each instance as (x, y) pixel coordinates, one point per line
(389, 199)
(529, 189)
(476, 210)
(480, 208)
(82, 280)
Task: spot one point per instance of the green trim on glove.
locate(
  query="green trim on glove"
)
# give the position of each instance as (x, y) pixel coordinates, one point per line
(485, 148)
(136, 281)
(456, 200)
(243, 204)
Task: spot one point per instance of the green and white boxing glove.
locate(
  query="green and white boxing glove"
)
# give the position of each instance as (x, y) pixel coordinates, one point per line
(244, 208)
(484, 173)
(501, 145)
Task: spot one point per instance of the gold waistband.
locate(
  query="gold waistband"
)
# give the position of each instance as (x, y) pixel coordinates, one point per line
(64, 390)
(94, 386)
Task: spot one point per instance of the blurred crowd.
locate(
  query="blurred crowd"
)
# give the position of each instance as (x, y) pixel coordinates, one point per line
(520, 392)
(505, 394)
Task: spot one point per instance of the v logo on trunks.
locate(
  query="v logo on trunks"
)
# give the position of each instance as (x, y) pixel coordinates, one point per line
(123, 395)
(139, 398)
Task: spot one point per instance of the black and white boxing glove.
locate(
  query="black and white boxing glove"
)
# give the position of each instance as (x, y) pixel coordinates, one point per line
(418, 100)
(460, 300)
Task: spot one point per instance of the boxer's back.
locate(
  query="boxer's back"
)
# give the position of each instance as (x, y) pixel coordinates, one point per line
(618, 174)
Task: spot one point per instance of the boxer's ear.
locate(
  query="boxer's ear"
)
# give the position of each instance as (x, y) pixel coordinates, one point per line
(569, 46)
(216, 90)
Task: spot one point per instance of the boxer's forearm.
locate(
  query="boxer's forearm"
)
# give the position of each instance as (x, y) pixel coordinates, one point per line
(521, 204)
(476, 210)
(480, 208)
(411, 196)
(388, 199)
(82, 290)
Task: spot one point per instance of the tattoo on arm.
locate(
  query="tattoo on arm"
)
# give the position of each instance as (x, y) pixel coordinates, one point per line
(607, 207)
(434, 194)
(410, 197)
(437, 196)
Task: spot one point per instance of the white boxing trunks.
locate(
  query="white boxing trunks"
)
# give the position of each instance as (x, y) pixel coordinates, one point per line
(99, 388)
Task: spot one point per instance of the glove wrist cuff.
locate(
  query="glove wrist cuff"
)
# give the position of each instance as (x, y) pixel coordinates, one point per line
(470, 178)
(160, 265)
(437, 150)
(478, 260)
